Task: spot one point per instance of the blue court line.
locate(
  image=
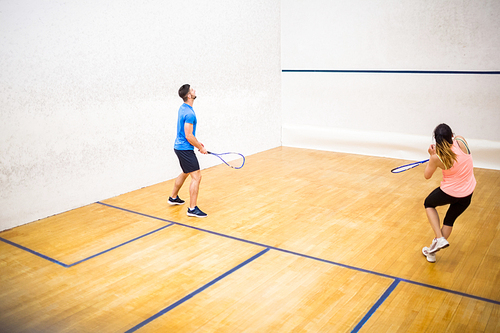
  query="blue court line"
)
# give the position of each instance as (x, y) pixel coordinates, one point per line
(120, 245)
(33, 252)
(196, 292)
(80, 261)
(374, 308)
(377, 71)
(311, 257)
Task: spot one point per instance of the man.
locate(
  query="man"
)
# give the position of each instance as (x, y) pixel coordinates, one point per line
(185, 143)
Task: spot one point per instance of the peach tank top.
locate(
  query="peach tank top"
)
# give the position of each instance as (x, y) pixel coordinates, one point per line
(459, 181)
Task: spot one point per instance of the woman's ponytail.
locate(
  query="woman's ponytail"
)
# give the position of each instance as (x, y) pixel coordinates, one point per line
(444, 140)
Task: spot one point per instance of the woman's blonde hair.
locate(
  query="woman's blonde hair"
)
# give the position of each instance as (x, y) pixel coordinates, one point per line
(444, 140)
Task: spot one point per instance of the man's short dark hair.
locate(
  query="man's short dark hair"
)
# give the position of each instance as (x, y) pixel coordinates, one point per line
(183, 91)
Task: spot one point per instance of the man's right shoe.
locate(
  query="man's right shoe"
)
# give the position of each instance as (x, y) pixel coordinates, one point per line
(195, 212)
(438, 244)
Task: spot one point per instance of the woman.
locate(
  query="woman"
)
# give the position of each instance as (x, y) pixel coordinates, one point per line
(452, 155)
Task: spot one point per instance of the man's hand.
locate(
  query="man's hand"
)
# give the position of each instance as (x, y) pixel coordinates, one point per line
(188, 131)
(202, 149)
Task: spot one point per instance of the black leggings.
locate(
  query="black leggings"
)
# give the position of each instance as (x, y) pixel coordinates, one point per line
(457, 205)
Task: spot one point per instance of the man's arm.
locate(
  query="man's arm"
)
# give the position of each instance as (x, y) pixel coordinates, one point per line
(188, 131)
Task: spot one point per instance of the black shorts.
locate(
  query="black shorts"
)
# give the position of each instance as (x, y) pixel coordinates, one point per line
(457, 205)
(189, 162)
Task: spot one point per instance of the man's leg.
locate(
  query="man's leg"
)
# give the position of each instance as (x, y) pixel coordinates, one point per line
(194, 188)
(178, 184)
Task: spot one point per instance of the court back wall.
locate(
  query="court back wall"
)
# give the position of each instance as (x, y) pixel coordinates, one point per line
(376, 77)
(88, 94)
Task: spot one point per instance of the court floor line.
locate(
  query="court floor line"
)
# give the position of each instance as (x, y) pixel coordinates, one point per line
(196, 292)
(85, 259)
(33, 252)
(313, 258)
(375, 306)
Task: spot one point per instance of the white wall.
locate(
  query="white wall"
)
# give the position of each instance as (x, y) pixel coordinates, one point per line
(88, 94)
(350, 111)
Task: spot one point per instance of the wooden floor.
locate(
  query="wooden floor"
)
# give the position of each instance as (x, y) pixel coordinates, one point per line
(296, 241)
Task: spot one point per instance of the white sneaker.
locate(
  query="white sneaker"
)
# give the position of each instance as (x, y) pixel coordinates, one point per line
(438, 244)
(431, 257)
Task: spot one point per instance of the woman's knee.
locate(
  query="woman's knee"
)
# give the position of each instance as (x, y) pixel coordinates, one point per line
(428, 203)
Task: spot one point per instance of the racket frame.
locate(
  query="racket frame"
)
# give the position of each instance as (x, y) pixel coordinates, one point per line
(406, 167)
(228, 153)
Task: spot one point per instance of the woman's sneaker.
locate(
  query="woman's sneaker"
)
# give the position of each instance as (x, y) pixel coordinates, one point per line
(195, 212)
(438, 244)
(431, 257)
(176, 201)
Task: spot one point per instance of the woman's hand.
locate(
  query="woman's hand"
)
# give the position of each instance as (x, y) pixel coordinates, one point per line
(432, 150)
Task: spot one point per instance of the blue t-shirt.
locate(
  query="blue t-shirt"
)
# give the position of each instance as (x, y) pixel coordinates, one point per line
(186, 115)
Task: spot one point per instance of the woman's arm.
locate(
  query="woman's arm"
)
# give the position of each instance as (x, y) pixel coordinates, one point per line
(434, 163)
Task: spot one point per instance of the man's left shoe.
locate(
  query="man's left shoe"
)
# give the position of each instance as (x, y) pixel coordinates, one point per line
(176, 201)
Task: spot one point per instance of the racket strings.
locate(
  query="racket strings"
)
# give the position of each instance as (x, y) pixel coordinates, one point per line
(404, 168)
(408, 166)
(236, 163)
(233, 160)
